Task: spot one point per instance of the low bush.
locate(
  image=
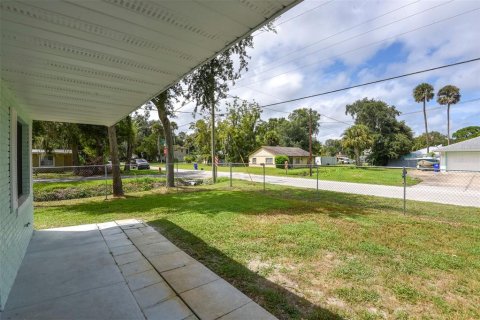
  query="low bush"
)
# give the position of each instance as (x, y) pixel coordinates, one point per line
(280, 161)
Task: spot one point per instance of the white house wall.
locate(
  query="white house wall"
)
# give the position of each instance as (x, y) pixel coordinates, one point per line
(16, 224)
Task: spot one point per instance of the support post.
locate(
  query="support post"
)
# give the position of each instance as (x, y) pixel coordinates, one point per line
(404, 176)
(263, 165)
(231, 174)
(106, 186)
(318, 193)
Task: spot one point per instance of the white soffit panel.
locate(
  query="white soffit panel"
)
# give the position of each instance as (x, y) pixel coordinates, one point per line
(95, 61)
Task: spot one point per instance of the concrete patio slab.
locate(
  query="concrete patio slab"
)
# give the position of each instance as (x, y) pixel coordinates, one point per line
(119, 270)
(110, 302)
(249, 311)
(171, 261)
(215, 299)
(172, 309)
(153, 294)
(141, 280)
(189, 277)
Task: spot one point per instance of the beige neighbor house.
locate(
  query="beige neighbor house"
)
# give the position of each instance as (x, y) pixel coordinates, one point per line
(266, 155)
(55, 158)
(94, 62)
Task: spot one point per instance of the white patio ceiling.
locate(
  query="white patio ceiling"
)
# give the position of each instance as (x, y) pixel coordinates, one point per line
(95, 61)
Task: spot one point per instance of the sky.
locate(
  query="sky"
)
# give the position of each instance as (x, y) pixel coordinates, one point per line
(323, 45)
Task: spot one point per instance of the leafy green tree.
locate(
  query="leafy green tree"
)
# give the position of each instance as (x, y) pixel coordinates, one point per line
(391, 138)
(436, 138)
(201, 139)
(448, 95)
(237, 133)
(332, 147)
(424, 93)
(295, 133)
(358, 138)
(466, 133)
(126, 134)
(209, 84)
(164, 103)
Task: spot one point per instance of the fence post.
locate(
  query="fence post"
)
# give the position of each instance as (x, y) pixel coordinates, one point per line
(230, 174)
(106, 177)
(317, 182)
(263, 165)
(404, 176)
(177, 166)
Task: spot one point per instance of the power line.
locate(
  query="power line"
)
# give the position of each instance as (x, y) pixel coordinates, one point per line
(438, 108)
(352, 38)
(373, 82)
(348, 29)
(355, 49)
(294, 17)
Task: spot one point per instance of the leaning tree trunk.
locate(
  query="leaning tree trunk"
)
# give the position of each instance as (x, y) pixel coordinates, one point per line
(117, 179)
(426, 126)
(448, 124)
(167, 130)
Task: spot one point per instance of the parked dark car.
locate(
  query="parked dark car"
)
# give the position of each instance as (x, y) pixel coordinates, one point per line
(139, 164)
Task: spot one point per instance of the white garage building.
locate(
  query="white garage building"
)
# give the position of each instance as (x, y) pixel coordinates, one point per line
(463, 155)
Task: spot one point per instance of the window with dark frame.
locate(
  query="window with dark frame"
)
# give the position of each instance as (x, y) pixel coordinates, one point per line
(19, 159)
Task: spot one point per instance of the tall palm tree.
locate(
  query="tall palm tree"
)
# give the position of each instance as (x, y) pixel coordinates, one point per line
(448, 95)
(358, 138)
(423, 93)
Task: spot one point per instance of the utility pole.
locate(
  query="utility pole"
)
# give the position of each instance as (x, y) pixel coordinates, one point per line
(214, 175)
(310, 140)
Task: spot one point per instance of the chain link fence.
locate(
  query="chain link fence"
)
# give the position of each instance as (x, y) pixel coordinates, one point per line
(408, 185)
(75, 182)
(313, 183)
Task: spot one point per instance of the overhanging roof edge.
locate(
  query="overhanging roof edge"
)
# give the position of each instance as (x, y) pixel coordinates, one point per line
(278, 13)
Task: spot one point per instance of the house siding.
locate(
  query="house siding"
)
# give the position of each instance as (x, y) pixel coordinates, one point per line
(261, 157)
(16, 225)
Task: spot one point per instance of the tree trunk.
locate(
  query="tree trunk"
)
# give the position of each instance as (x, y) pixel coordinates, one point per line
(426, 126)
(357, 157)
(129, 144)
(212, 101)
(448, 124)
(167, 130)
(117, 179)
(75, 158)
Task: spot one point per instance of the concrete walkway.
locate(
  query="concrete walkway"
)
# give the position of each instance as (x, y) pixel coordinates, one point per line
(119, 270)
(439, 194)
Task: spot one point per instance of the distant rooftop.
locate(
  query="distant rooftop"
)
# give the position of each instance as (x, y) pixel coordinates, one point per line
(54, 151)
(288, 151)
(467, 145)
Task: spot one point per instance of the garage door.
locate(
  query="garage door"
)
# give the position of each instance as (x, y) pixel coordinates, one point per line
(463, 161)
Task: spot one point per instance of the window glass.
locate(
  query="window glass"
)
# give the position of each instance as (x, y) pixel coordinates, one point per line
(254, 160)
(269, 160)
(19, 159)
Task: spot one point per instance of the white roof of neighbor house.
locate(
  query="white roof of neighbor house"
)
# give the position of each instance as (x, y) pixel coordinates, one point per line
(287, 151)
(54, 151)
(96, 61)
(467, 145)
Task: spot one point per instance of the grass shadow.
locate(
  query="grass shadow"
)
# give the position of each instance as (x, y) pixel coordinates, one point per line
(276, 299)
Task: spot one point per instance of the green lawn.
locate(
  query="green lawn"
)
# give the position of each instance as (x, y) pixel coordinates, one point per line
(300, 257)
(371, 175)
